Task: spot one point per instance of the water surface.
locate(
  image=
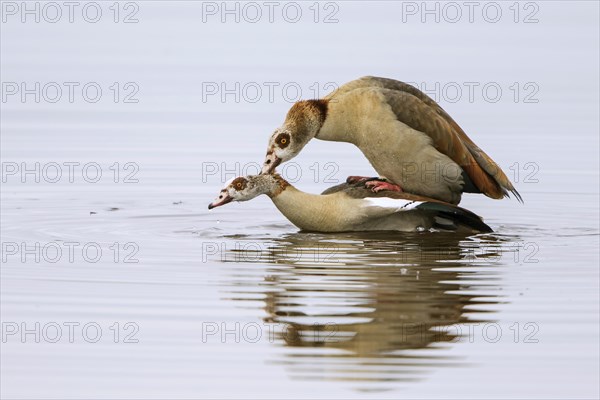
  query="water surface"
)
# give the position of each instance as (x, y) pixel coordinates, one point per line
(236, 302)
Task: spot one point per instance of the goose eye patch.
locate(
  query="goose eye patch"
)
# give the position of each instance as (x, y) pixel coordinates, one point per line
(239, 183)
(283, 140)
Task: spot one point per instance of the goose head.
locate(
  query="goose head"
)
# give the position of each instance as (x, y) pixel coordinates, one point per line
(302, 123)
(244, 188)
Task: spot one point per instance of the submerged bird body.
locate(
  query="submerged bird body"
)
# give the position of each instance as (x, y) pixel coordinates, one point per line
(406, 136)
(352, 207)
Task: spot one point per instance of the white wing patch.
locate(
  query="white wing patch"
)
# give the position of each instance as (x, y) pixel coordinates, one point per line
(393, 204)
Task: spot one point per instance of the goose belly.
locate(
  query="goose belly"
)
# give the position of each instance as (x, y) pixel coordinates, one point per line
(409, 160)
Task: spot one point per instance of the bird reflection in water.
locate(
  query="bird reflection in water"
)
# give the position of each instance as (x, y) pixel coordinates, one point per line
(374, 307)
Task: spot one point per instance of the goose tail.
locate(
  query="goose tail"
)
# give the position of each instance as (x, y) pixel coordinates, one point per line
(449, 217)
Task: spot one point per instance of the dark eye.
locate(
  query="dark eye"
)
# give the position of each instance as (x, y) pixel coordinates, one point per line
(283, 140)
(239, 183)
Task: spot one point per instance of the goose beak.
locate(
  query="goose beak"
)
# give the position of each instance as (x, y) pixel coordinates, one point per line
(271, 162)
(223, 199)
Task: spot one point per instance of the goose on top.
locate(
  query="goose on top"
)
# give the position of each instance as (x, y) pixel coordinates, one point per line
(412, 143)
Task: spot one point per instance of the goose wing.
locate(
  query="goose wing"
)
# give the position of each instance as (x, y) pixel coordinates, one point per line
(417, 110)
(445, 215)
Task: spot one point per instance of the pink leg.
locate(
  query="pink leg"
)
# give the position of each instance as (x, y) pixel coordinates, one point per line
(378, 186)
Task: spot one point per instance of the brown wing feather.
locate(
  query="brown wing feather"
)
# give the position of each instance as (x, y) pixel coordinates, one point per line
(415, 113)
(420, 112)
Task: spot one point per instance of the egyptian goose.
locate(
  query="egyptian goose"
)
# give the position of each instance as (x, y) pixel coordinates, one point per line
(406, 136)
(352, 207)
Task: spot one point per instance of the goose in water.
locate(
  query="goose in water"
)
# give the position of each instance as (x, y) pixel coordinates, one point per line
(352, 207)
(407, 137)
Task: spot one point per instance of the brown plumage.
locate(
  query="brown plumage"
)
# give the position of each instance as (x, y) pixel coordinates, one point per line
(422, 113)
(406, 136)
